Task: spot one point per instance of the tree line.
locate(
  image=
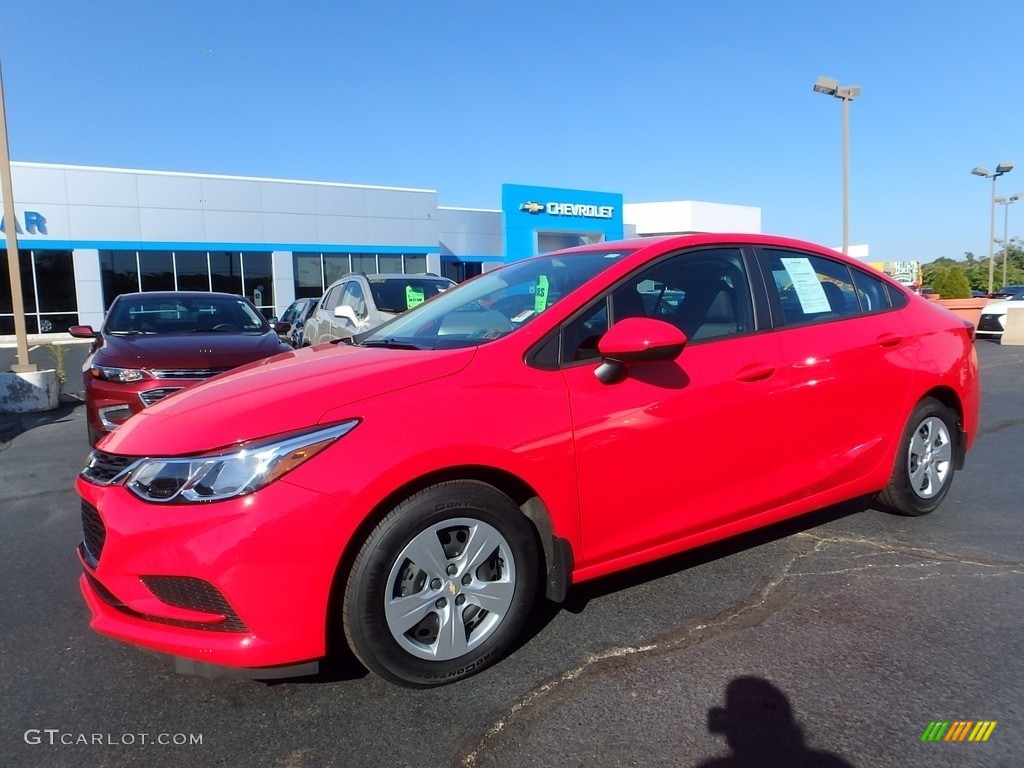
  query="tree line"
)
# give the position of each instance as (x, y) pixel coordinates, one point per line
(954, 279)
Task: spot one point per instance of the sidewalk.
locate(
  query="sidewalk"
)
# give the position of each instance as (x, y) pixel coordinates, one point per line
(41, 339)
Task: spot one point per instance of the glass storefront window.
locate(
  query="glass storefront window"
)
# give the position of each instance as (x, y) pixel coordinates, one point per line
(119, 272)
(364, 262)
(48, 276)
(226, 271)
(193, 270)
(156, 270)
(415, 263)
(390, 263)
(308, 277)
(336, 266)
(28, 294)
(259, 279)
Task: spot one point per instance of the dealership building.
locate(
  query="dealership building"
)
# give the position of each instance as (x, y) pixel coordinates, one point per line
(86, 235)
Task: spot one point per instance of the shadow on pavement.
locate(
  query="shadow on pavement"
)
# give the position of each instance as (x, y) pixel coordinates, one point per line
(758, 725)
(14, 424)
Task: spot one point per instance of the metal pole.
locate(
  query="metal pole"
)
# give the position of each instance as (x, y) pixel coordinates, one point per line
(846, 175)
(11, 225)
(992, 239)
(1006, 232)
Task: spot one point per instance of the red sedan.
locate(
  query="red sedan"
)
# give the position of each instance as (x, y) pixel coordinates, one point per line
(562, 418)
(156, 343)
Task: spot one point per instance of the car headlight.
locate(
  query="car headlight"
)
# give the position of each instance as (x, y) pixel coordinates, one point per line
(222, 476)
(119, 375)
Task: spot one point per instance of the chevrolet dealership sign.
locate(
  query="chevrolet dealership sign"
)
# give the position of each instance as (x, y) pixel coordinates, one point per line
(577, 210)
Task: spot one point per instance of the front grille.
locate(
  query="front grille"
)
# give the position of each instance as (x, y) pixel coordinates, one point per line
(990, 323)
(187, 373)
(104, 468)
(196, 595)
(151, 396)
(94, 533)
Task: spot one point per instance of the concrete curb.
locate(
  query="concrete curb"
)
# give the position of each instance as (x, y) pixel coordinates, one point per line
(31, 391)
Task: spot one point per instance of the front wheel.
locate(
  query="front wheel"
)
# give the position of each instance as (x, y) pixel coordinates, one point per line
(442, 586)
(925, 460)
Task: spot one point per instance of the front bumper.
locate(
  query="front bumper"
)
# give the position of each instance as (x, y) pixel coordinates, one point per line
(990, 325)
(110, 404)
(243, 583)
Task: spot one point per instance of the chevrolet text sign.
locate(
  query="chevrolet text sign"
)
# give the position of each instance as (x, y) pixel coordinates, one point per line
(579, 210)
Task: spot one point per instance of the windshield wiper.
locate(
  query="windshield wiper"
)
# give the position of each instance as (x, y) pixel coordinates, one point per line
(390, 344)
(132, 333)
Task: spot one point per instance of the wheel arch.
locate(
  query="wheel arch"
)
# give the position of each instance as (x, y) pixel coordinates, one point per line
(949, 398)
(555, 553)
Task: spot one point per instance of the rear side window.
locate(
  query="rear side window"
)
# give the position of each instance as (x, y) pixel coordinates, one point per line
(812, 288)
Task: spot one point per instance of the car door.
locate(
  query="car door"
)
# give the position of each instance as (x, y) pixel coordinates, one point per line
(318, 327)
(353, 295)
(849, 366)
(684, 446)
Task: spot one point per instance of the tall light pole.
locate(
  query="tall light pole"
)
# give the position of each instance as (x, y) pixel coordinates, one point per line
(983, 172)
(1006, 202)
(847, 93)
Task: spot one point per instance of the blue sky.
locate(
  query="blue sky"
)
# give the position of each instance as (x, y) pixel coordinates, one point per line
(657, 99)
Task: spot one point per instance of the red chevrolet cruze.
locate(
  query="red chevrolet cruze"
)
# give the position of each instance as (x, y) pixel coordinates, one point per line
(562, 418)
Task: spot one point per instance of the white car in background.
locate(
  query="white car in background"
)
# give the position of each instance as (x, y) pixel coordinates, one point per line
(358, 303)
(993, 316)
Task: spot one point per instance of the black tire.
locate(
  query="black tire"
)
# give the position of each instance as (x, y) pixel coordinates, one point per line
(925, 462)
(442, 586)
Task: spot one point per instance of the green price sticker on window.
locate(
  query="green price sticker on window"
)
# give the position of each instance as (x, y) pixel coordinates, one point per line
(540, 295)
(413, 296)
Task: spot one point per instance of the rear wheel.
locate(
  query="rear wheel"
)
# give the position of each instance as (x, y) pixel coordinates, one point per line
(925, 461)
(442, 586)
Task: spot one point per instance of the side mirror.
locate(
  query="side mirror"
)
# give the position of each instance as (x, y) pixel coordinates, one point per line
(273, 320)
(346, 313)
(636, 340)
(83, 332)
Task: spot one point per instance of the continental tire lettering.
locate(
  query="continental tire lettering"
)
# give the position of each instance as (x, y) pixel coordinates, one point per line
(460, 671)
(446, 506)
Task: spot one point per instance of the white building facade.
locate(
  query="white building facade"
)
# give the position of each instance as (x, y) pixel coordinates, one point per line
(87, 234)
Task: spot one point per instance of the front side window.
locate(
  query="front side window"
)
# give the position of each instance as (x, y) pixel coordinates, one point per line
(703, 293)
(493, 305)
(352, 296)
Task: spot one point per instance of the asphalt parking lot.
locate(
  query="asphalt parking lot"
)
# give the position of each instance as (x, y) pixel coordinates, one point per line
(833, 640)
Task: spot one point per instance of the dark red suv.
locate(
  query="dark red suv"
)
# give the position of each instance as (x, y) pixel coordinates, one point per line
(154, 344)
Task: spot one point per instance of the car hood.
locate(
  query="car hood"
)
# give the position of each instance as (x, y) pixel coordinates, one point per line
(186, 350)
(287, 392)
(999, 306)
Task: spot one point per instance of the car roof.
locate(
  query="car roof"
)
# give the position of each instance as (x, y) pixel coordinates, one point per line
(699, 238)
(177, 295)
(390, 276)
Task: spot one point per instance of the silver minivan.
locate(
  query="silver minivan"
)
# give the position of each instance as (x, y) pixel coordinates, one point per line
(358, 303)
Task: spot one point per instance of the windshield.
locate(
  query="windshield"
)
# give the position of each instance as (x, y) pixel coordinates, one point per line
(494, 304)
(156, 314)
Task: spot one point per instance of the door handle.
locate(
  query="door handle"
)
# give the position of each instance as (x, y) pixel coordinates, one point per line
(889, 339)
(755, 372)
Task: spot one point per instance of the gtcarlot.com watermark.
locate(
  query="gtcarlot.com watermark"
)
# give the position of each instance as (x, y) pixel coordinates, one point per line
(57, 737)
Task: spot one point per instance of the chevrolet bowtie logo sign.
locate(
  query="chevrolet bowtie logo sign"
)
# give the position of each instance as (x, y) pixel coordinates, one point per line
(532, 207)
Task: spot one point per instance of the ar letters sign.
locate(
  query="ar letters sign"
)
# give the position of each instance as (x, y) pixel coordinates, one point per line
(35, 224)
